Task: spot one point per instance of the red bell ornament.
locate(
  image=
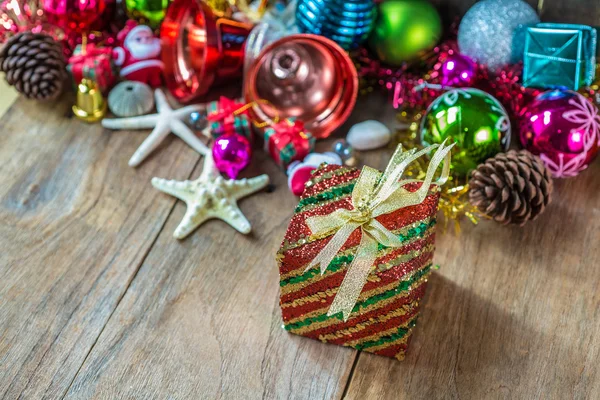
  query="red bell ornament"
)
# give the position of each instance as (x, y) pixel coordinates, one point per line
(304, 76)
(200, 49)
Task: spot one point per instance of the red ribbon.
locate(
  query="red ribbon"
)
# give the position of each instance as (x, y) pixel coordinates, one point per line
(225, 111)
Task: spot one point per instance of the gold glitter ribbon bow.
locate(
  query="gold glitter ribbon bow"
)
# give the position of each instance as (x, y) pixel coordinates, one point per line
(374, 194)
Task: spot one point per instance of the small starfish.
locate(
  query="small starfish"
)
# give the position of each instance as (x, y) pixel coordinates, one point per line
(211, 196)
(166, 121)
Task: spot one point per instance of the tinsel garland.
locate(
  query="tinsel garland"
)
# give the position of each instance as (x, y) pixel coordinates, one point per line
(412, 88)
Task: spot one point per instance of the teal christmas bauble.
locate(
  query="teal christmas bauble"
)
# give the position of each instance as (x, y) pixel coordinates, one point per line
(346, 22)
(474, 120)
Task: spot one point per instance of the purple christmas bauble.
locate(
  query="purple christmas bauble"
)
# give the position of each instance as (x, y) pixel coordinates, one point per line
(458, 70)
(563, 128)
(231, 153)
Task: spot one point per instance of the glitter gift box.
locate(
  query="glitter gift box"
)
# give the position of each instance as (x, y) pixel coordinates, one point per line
(559, 55)
(383, 316)
(228, 116)
(93, 63)
(288, 141)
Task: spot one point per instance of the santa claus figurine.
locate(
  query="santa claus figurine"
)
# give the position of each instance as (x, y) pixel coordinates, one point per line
(139, 54)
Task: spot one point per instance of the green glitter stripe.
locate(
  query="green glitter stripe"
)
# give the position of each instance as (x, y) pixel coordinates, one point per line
(387, 339)
(337, 263)
(324, 196)
(404, 285)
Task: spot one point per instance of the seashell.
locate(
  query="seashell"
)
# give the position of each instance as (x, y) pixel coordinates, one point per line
(368, 135)
(130, 99)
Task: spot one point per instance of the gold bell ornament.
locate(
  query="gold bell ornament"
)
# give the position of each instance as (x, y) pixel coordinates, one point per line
(90, 106)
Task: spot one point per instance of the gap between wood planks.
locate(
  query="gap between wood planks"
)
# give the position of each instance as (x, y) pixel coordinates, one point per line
(137, 270)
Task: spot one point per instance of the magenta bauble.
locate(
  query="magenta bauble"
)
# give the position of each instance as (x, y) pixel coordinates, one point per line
(563, 128)
(458, 70)
(231, 153)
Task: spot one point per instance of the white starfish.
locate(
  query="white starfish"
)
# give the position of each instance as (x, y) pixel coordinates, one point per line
(164, 122)
(211, 196)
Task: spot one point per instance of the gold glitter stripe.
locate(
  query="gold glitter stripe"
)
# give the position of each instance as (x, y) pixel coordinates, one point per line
(328, 175)
(373, 292)
(400, 355)
(403, 310)
(402, 340)
(332, 321)
(402, 258)
(402, 231)
(379, 335)
(369, 308)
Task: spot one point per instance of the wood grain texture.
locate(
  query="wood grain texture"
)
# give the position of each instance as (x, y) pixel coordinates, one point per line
(202, 321)
(76, 224)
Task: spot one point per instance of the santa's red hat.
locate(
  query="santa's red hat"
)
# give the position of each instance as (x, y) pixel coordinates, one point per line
(131, 28)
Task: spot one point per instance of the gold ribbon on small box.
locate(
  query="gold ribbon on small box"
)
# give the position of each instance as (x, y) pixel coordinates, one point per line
(374, 194)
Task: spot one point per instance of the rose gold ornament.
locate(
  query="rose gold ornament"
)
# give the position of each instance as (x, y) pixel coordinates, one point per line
(200, 48)
(304, 76)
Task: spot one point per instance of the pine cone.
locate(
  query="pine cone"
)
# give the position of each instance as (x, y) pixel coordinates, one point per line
(34, 65)
(512, 187)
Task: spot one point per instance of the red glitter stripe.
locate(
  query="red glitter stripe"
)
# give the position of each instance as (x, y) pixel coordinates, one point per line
(391, 351)
(416, 294)
(335, 281)
(300, 256)
(376, 328)
(326, 184)
(316, 284)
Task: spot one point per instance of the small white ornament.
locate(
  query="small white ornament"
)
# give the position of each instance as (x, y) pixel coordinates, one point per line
(368, 135)
(166, 121)
(211, 196)
(130, 99)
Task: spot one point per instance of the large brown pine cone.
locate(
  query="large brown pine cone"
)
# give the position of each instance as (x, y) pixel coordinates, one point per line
(34, 65)
(512, 187)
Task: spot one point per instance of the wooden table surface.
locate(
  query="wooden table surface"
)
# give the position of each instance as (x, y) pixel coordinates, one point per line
(97, 300)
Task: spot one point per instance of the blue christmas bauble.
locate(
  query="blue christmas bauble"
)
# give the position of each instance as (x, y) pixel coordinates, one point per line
(348, 23)
(492, 32)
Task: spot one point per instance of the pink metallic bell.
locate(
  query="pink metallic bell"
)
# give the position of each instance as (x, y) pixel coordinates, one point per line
(305, 76)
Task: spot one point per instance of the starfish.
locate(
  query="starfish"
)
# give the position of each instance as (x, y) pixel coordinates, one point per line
(211, 196)
(164, 122)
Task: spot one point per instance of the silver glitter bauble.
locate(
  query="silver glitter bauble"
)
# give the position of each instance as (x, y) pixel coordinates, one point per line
(130, 99)
(492, 32)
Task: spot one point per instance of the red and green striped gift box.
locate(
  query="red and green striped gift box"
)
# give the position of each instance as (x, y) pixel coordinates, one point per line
(385, 314)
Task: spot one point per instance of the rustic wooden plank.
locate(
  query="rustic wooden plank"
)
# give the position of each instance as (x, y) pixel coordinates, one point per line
(76, 225)
(7, 97)
(571, 11)
(513, 312)
(202, 319)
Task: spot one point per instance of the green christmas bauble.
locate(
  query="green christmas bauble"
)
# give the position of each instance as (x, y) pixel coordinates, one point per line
(150, 12)
(404, 30)
(474, 120)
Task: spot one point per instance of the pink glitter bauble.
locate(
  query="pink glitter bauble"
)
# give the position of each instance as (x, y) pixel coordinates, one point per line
(563, 128)
(458, 70)
(231, 153)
